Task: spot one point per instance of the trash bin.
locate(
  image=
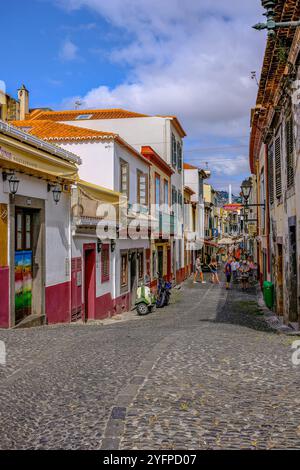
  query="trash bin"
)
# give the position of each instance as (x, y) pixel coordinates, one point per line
(268, 288)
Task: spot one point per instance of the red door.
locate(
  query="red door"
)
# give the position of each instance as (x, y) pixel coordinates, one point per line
(89, 281)
(76, 285)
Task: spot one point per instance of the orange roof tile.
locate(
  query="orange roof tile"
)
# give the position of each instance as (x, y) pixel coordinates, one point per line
(56, 131)
(48, 130)
(149, 153)
(72, 115)
(188, 166)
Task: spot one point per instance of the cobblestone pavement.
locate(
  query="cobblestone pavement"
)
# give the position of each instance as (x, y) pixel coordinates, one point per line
(205, 373)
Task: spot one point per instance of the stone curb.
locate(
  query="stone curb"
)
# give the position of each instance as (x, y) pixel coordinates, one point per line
(273, 320)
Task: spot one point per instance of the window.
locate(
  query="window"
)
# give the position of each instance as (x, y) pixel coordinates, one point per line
(83, 116)
(142, 188)
(23, 230)
(278, 183)
(166, 192)
(289, 139)
(271, 172)
(124, 178)
(105, 263)
(174, 196)
(179, 156)
(157, 189)
(141, 264)
(174, 151)
(124, 270)
(180, 198)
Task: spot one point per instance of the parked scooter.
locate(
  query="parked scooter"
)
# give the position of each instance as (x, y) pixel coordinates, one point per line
(145, 300)
(163, 292)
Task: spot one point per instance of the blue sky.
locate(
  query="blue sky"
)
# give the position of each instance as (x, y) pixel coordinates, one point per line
(191, 59)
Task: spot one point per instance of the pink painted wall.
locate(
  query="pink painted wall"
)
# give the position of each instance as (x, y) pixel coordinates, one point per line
(58, 303)
(4, 297)
(107, 307)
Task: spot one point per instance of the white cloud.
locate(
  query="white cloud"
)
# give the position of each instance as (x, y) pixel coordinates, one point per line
(68, 51)
(191, 58)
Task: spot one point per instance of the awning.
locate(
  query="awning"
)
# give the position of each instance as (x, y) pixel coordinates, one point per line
(210, 243)
(98, 193)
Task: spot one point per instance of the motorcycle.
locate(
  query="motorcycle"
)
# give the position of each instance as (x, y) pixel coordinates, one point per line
(163, 292)
(145, 300)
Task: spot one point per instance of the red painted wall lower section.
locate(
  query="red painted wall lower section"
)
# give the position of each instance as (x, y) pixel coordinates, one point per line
(58, 303)
(4, 297)
(107, 307)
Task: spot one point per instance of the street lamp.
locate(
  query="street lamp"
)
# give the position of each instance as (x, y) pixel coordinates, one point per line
(13, 181)
(271, 24)
(56, 192)
(246, 188)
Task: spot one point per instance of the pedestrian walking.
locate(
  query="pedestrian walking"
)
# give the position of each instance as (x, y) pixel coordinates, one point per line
(198, 270)
(228, 272)
(213, 266)
(234, 269)
(245, 270)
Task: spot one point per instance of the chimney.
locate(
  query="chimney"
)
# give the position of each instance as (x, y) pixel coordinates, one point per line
(23, 96)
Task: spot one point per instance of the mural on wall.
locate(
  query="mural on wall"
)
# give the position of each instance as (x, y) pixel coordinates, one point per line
(23, 284)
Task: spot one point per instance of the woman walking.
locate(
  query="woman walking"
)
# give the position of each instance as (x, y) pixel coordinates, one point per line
(213, 266)
(198, 271)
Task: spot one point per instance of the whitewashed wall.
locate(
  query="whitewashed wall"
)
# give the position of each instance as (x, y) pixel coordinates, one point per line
(58, 240)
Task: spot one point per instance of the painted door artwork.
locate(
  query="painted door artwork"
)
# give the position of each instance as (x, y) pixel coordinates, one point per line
(23, 264)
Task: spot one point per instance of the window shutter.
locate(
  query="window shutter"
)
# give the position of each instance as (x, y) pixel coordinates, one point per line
(278, 181)
(289, 152)
(174, 151)
(105, 263)
(179, 156)
(271, 172)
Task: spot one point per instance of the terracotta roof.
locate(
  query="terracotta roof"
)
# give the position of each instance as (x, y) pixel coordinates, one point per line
(188, 166)
(274, 69)
(48, 130)
(72, 115)
(55, 131)
(114, 113)
(150, 154)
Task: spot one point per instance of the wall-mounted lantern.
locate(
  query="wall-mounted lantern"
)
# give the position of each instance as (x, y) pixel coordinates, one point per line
(56, 192)
(246, 189)
(13, 181)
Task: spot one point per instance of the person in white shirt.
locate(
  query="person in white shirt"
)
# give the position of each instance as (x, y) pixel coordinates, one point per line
(234, 268)
(198, 271)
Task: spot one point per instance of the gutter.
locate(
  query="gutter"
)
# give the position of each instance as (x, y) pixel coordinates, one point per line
(38, 143)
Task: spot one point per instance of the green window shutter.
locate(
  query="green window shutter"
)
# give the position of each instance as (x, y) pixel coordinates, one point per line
(278, 182)
(271, 172)
(289, 139)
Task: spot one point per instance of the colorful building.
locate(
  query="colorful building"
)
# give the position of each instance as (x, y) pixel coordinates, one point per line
(35, 229)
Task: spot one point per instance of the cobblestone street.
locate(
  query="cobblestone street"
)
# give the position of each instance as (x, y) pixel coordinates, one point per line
(204, 373)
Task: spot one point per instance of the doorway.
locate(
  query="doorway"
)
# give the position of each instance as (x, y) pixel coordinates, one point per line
(279, 290)
(292, 289)
(160, 260)
(89, 281)
(25, 245)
